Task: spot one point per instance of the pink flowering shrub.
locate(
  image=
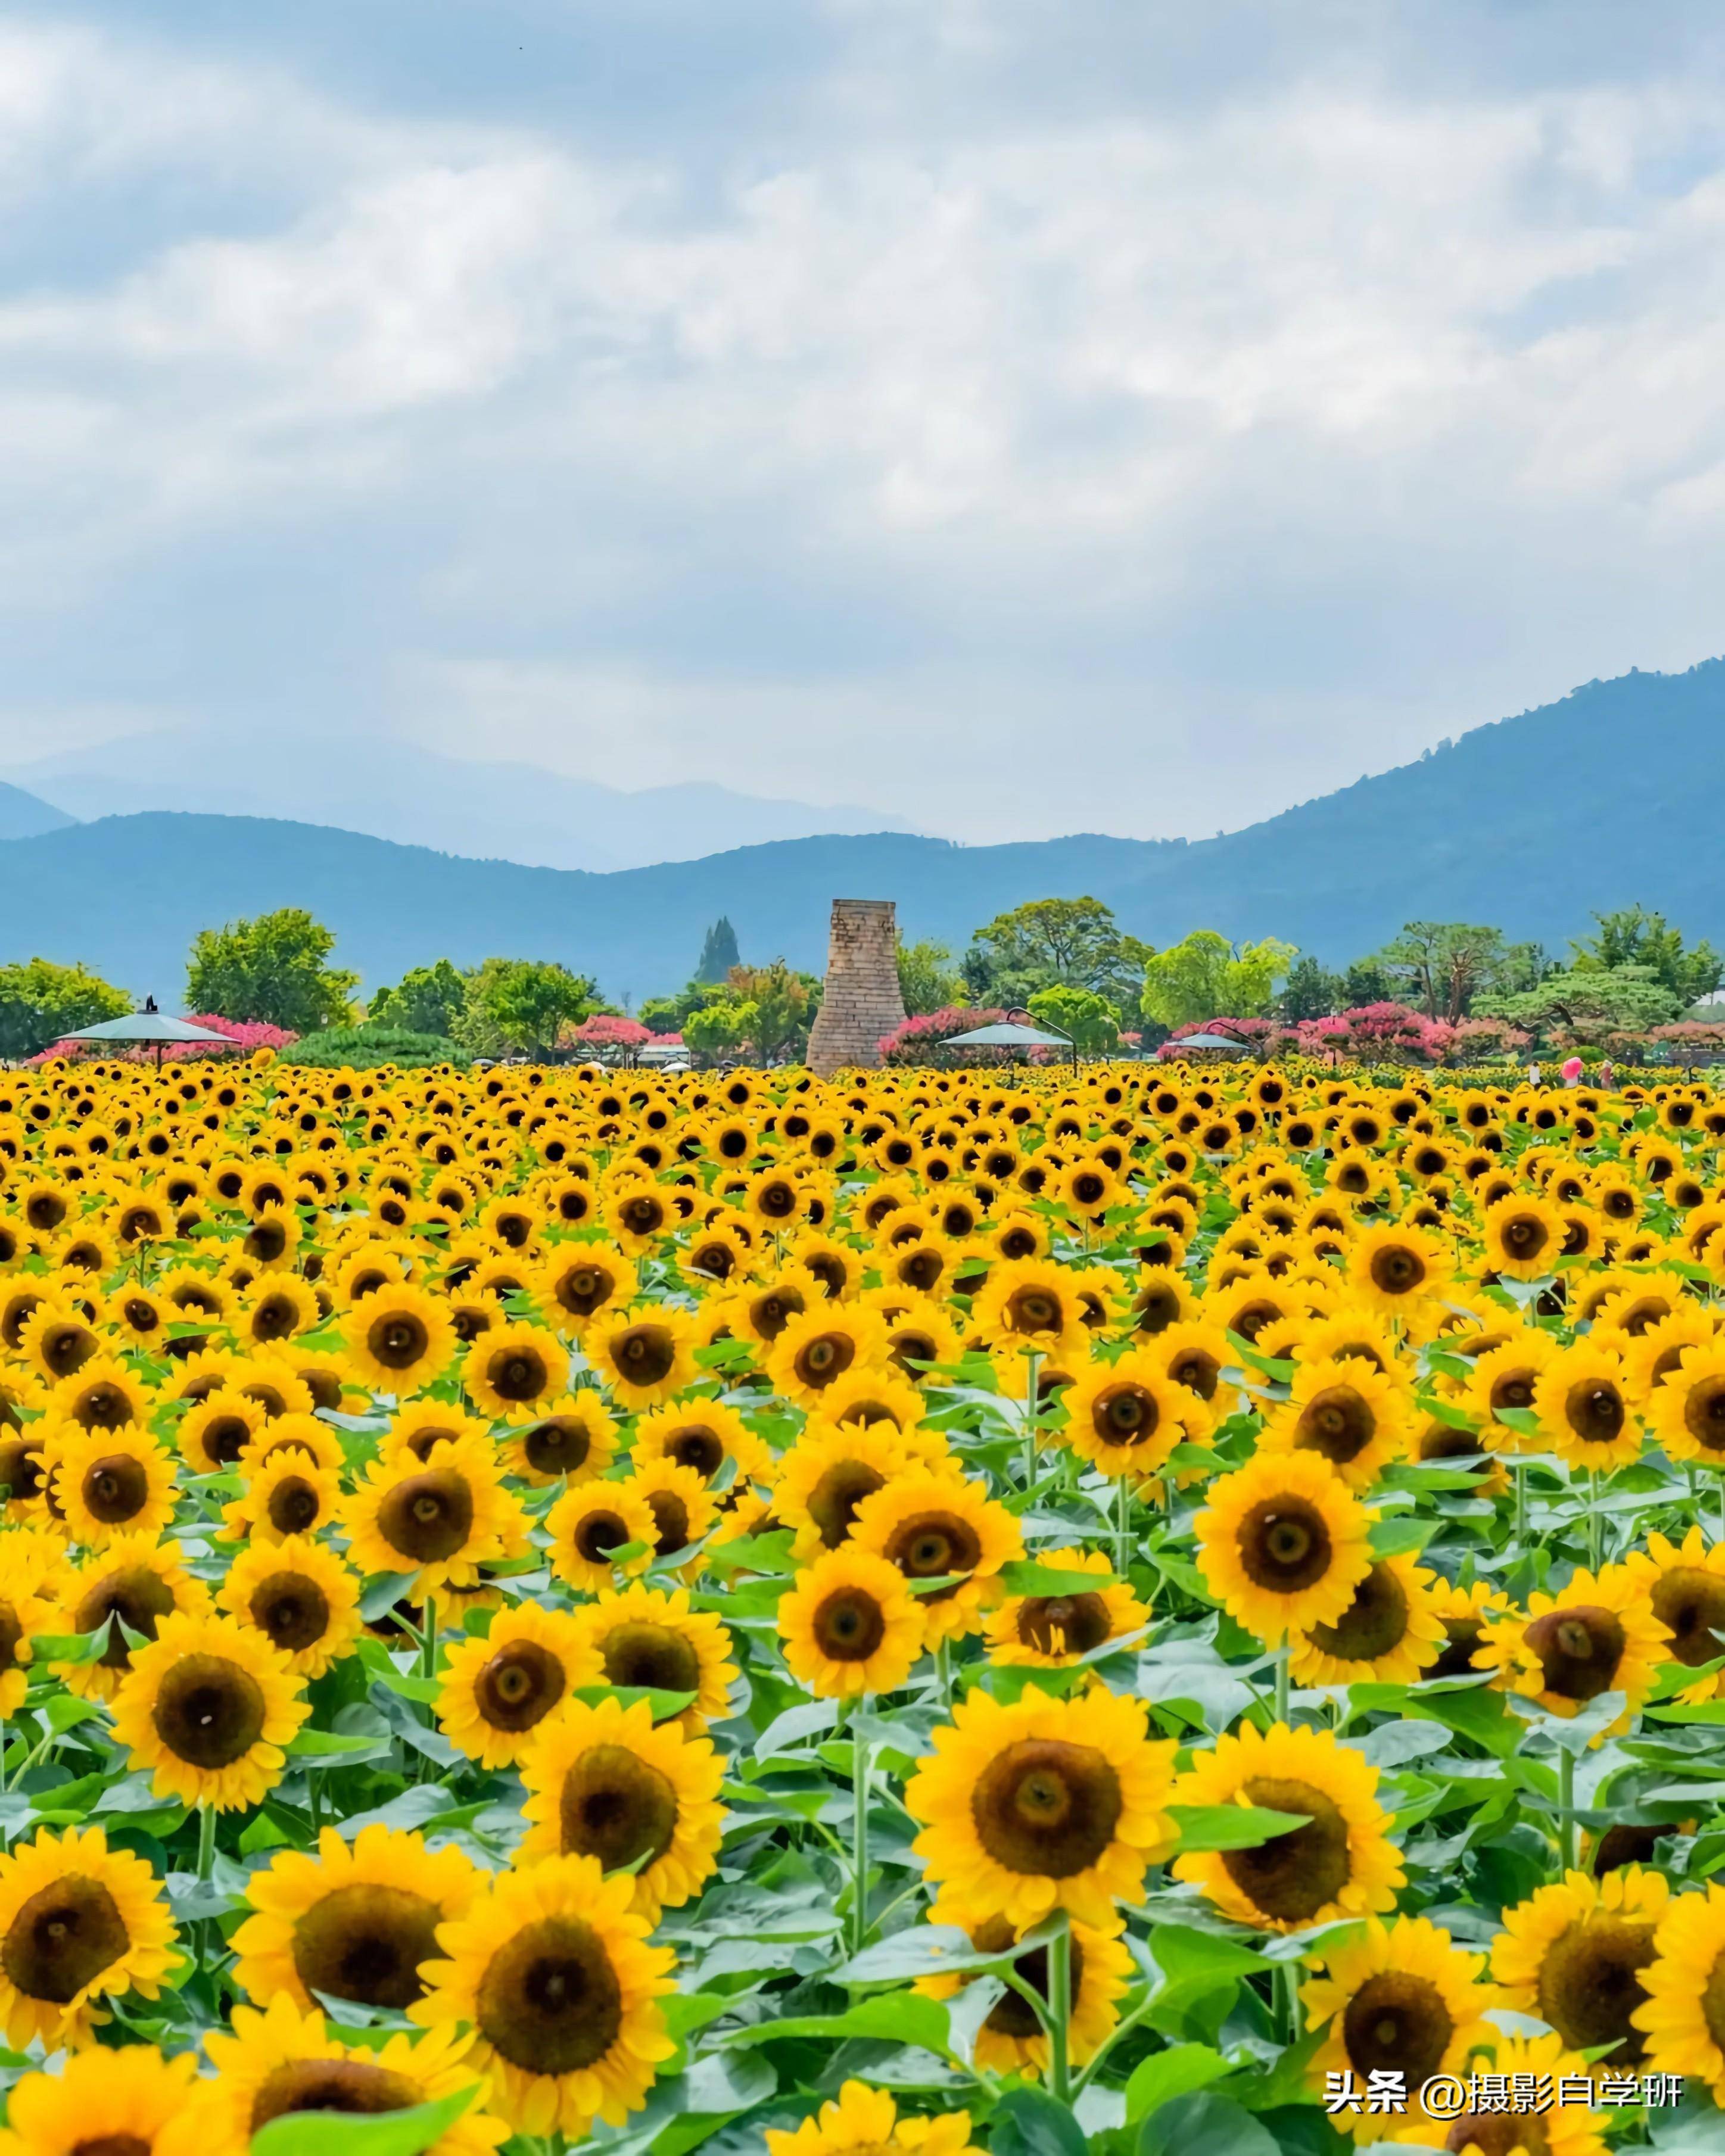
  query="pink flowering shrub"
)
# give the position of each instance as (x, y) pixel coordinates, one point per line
(918, 1037)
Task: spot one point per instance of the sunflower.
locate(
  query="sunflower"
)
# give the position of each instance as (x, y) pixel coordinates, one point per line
(1126, 1416)
(299, 1595)
(1683, 2016)
(33, 1574)
(442, 1521)
(1595, 1635)
(1505, 1376)
(684, 1509)
(513, 1370)
(206, 1706)
(1053, 1631)
(1393, 1267)
(1565, 2129)
(415, 1429)
(1045, 1804)
(352, 1921)
(824, 1345)
(864, 2122)
(1462, 1613)
(1195, 1353)
(110, 1482)
(289, 1494)
(1348, 1414)
(1572, 1954)
(496, 1690)
(280, 1306)
(1283, 1544)
(1399, 2000)
(1027, 1304)
(590, 1524)
(1011, 2039)
(828, 1474)
(216, 1430)
(1583, 1408)
(1686, 1406)
(1341, 1863)
(127, 2101)
(138, 1581)
(78, 1922)
(849, 1624)
(931, 1523)
(1524, 1237)
(552, 1970)
(603, 1782)
(280, 2063)
(58, 1337)
(572, 1439)
(312, 1440)
(656, 1641)
(1390, 1634)
(703, 1434)
(399, 1338)
(1685, 1586)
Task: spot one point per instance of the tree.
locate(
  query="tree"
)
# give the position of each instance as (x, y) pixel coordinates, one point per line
(784, 1003)
(41, 1002)
(1633, 937)
(927, 978)
(1091, 1020)
(428, 999)
(719, 953)
(1310, 992)
(1591, 999)
(1074, 940)
(1206, 977)
(1365, 982)
(275, 968)
(530, 1000)
(1442, 965)
(718, 1026)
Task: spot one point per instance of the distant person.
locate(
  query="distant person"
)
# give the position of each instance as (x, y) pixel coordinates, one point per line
(1532, 1074)
(1572, 1072)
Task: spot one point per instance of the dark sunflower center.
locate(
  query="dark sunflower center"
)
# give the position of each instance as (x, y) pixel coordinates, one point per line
(520, 1685)
(1292, 1877)
(1704, 1413)
(558, 1445)
(1046, 1807)
(517, 1374)
(771, 1312)
(1198, 1372)
(137, 1597)
(1514, 1388)
(598, 1534)
(848, 1625)
(1525, 1237)
(367, 1943)
(1578, 1650)
(583, 1288)
(550, 2002)
(1125, 1413)
(12, 1632)
(427, 1517)
(670, 1521)
(616, 1806)
(696, 1446)
(1337, 1422)
(651, 1657)
(1691, 1602)
(103, 1407)
(1373, 1623)
(114, 1488)
(223, 1438)
(1033, 1309)
(1461, 1636)
(1500, 2133)
(21, 1466)
(66, 1348)
(63, 1939)
(1155, 1307)
(1396, 1270)
(930, 1544)
(1396, 2023)
(110, 2144)
(1013, 2013)
(293, 1610)
(208, 1711)
(1626, 1844)
(294, 1504)
(273, 1319)
(827, 1357)
(833, 1503)
(1595, 1411)
(1063, 1624)
(1712, 2001)
(352, 2086)
(1285, 1547)
(1589, 1984)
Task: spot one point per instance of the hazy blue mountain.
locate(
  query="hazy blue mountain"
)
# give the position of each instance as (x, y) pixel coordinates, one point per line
(391, 789)
(22, 815)
(1615, 794)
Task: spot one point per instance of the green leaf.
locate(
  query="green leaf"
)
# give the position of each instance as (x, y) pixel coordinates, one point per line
(1203, 2124)
(889, 2017)
(1396, 1538)
(320, 1744)
(383, 2134)
(661, 1705)
(1522, 1419)
(1028, 2122)
(1178, 2071)
(70, 1646)
(1230, 1826)
(1048, 1576)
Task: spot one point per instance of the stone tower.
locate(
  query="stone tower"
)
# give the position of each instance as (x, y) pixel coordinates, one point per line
(861, 1000)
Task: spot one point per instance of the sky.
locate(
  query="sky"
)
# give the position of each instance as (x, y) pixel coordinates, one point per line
(1024, 416)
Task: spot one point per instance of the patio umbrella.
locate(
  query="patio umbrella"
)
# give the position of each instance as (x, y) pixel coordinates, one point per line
(1207, 1040)
(152, 1027)
(1006, 1033)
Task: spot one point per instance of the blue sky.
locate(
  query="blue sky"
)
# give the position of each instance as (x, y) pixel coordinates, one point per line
(1021, 417)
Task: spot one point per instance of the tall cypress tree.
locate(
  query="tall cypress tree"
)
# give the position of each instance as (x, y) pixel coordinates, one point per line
(719, 953)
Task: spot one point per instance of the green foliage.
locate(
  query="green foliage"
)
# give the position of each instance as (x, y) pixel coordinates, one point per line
(1074, 941)
(719, 1027)
(1634, 937)
(1440, 966)
(718, 953)
(274, 969)
(1592, 999)
(1091, 1020)
(1365, 982)
(528, 1001)
(1311, 992)
(364, 1047)
(40, 1002)
(428, 999)
(928, 979)
(1206, 977)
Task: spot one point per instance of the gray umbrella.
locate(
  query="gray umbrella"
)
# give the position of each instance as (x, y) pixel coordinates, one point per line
(1208, 1040)
(152, 1027)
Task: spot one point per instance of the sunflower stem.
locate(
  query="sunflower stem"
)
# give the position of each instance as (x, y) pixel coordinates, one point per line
(1059, 2015)
(1566, 1810)
(1721, 1508)
(428, 1648)
(206, 1843)
(1033, 1402)
(1284, 1654)
(860, 1837)
(1122, 1525)
(1596, 1523)
(1518, 1476)
(1286, 1981)
(943, 1674)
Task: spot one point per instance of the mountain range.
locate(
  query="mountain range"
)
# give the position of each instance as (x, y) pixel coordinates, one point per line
(385, 787)
(1614, 795)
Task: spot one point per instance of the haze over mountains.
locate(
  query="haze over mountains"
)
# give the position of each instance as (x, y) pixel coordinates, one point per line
(1614, 794)
(389, 788)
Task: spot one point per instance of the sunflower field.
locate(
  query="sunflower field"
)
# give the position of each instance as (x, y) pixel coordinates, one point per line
(1134, 1611)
